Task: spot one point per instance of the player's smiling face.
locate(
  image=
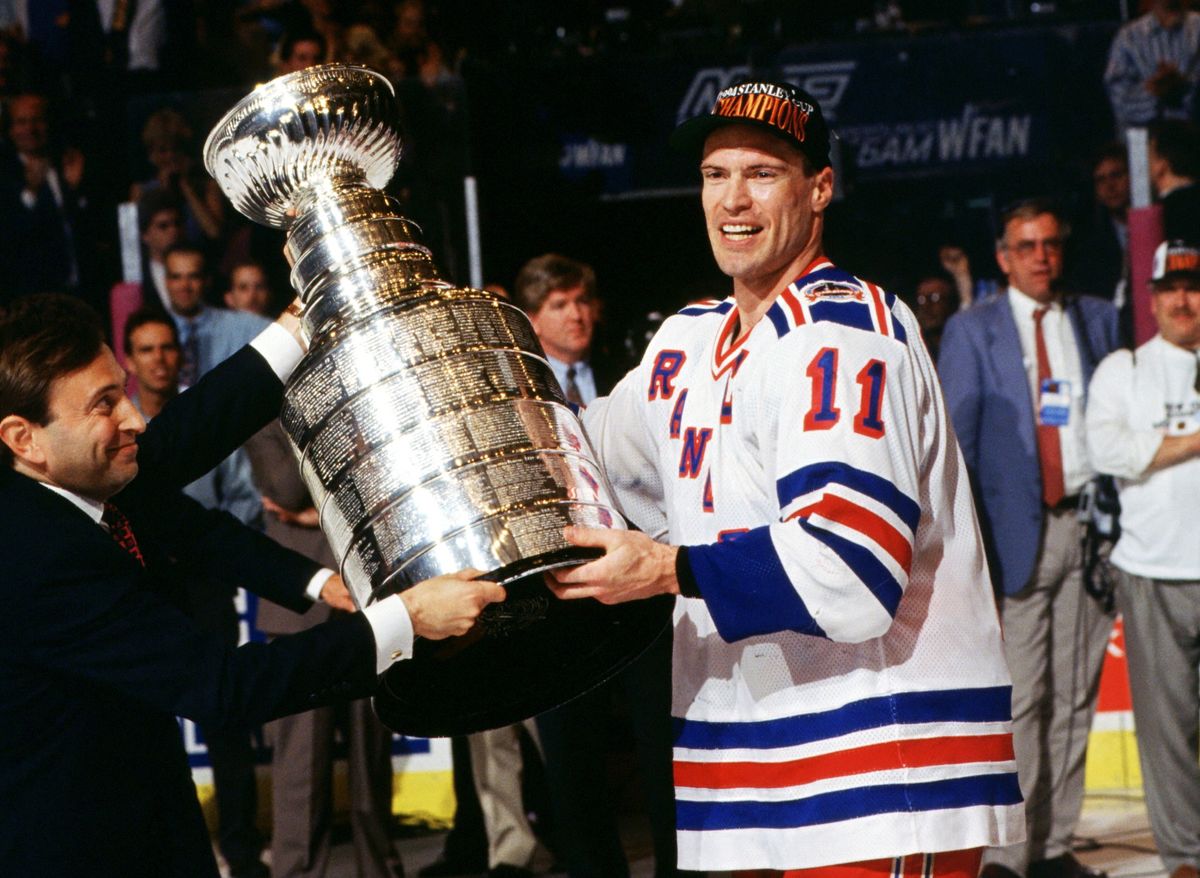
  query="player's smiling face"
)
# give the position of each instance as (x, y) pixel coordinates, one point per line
(763, 212)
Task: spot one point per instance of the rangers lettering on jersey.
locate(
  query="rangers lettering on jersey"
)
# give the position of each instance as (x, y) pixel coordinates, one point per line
(662, 380)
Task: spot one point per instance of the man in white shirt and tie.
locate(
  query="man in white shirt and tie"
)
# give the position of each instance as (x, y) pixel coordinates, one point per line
(559, 295)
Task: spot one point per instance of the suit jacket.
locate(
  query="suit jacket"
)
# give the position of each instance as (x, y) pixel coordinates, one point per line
(277, 475)
(1096, 259)
(987, 392)
(1181, 214)
(96, 661)
(42, 242)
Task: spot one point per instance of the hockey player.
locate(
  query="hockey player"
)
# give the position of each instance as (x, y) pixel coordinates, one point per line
(841, 700)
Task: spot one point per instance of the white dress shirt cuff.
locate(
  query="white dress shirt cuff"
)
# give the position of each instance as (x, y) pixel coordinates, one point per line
(313, 592)
(281, 351)
(393, 631)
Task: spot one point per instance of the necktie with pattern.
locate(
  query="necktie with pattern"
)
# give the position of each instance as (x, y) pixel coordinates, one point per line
(189, 346)
(572, 389)
(1049, 446)
(121, 531)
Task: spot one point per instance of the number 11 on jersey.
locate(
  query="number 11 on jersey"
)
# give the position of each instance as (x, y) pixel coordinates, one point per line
(823, 412)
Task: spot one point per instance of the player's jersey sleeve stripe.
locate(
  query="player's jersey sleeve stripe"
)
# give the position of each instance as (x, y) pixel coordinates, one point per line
(833, 807)
(875, 527)
(988, 704)
(763, 599)
(885, 756)
(881, 582)
(817, 475)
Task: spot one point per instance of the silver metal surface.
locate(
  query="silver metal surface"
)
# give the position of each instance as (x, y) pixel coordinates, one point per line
(430, 429)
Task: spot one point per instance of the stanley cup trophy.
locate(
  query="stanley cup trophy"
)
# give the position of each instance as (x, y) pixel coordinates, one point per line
(429, 427)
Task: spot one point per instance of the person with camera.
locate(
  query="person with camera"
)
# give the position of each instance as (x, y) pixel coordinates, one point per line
(1143, 427)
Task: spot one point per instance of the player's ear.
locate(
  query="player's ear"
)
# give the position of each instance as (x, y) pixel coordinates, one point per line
(822, 191)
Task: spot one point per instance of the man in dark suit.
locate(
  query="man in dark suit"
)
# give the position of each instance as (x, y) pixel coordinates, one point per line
(95, 660)
(50, 224)
(1014, 370)
(1097, 261)
(559, 295)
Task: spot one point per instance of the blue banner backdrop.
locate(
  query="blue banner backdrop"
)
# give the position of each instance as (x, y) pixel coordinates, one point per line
(902, 106)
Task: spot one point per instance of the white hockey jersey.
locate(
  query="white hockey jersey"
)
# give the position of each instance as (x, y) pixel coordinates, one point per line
(840, 692)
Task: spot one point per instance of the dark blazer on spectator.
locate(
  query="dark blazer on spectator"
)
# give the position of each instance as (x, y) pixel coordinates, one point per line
(38, 245)
(96, 661)
(1095, 261)
(1181, 214)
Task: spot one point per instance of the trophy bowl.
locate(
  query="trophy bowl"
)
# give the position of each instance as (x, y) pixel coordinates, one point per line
(428, 425)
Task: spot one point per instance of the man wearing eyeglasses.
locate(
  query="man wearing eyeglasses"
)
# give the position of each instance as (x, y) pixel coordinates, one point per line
(1144, 428)
(1014, 370)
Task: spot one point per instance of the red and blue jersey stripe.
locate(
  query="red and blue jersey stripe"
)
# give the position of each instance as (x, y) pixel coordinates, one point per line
(952, 746)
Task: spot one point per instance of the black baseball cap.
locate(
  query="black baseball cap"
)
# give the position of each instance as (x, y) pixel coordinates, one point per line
(785, 110)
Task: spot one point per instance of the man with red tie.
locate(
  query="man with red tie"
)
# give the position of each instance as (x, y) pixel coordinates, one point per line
(95, 659)
(1014, 370)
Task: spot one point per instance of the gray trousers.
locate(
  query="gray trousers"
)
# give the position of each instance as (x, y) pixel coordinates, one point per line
(302, 791)
(498, 768)
(1162, 642)
(1055, 636)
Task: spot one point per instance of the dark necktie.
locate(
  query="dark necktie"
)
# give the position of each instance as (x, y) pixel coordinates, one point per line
(1196, 380)
(1049, 446)
(121, 531)
(572, 389)
(189, 345)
